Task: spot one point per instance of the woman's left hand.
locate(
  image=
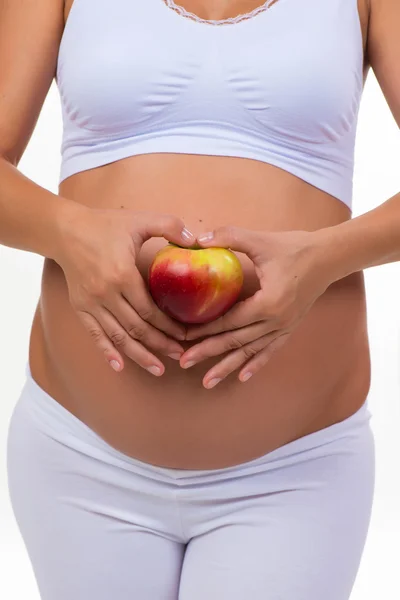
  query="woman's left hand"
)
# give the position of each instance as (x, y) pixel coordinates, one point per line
(292, 276)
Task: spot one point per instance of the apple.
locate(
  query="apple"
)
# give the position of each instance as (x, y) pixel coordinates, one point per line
(195, 285)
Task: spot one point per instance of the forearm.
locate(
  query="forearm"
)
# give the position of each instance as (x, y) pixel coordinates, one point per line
(31, 217)
(369, 240)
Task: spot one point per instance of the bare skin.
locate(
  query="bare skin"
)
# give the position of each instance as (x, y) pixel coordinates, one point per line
(319, 377)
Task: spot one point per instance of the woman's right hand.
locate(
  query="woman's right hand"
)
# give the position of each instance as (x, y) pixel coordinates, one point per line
(97, 251)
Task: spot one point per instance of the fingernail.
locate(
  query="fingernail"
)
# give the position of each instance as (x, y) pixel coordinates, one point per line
(154, 370)
(206, 237)
(212, 383)
(115, 365)
(175, 355)
(189, 364)
(187, 235)
(246, 376)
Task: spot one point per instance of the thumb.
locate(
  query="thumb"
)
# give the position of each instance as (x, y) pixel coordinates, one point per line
(235, 238)
(148, 225)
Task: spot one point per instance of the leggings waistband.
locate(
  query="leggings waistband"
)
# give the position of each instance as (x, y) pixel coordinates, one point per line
(60, 424)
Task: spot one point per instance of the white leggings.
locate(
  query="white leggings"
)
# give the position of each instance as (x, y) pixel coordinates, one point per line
(99, 525)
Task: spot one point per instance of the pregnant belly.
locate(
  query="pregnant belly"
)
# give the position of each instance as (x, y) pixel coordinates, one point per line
(320, 376)
(172, 420)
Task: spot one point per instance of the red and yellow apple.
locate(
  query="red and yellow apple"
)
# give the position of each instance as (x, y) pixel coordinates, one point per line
(195, 285)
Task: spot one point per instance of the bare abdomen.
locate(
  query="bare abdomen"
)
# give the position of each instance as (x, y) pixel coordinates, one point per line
(320, 376)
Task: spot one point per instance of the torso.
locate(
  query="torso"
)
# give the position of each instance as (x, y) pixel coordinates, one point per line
(319, 377)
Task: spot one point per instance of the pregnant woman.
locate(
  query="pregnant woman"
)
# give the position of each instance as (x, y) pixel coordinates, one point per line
(153, 460)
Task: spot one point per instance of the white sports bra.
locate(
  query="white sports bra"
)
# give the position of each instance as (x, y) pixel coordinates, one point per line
(282, 85)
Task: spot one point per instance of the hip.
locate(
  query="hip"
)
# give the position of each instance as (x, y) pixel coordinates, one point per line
(76, 498)
(40, 417)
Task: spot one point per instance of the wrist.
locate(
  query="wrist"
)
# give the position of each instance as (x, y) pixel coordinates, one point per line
(69, 218)
(334, 251)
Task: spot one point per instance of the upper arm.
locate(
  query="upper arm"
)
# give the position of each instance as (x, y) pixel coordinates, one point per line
(384, 50)
(30, 34)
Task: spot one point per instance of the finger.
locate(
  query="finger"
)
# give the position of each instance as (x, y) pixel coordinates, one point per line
(138, 296)
(235, 359)
(241, 314)
(102, 341)
(171, 228)
(140, 330)
(119, 338)
(225, 342)
(236, 238)
(261, 359)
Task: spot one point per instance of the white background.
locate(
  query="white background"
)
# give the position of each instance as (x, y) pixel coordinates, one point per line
(377, 178)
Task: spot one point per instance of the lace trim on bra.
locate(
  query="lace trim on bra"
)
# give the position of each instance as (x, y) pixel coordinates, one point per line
(229, 21)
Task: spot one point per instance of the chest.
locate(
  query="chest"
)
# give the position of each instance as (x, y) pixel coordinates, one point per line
(294, 68)
(217, 10)
(224, 9)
